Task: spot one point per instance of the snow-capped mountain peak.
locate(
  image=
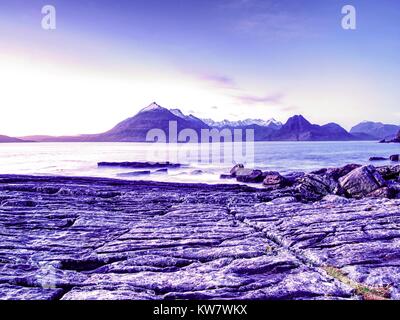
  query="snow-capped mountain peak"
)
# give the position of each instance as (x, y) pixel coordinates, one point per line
(151, 107)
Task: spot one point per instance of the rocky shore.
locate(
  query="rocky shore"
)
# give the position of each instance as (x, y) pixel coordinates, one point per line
(351, 181)
(324, 235)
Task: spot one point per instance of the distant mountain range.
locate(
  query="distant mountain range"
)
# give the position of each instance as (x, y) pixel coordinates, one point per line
(297, 128)
(377, 130)
(5, 139)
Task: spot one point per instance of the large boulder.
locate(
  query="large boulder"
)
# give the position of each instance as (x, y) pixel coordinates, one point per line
(361, 182)
(273, 181)
(249, 176)
(313, 187)
(337, 173)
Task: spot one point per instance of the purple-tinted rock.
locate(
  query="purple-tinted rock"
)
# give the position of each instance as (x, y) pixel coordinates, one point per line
(331, 198)
(165, 170)
(384, 192)
(226, 176)
(357, 238)
(273, 180)
(319, 172)
(362, 181)
(294, 177)
(284, 200)
(150, 240)
(395, 158)
(249, 176)
(140, 165)
(314, 187)
(389, 172)
(337, 173)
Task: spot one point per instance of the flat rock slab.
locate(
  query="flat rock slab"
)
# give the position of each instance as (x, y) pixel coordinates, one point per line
(93, 238)
(359, 238)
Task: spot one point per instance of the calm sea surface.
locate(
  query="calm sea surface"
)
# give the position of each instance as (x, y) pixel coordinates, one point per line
(80, 159)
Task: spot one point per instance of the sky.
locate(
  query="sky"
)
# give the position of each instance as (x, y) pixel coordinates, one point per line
(220, 59)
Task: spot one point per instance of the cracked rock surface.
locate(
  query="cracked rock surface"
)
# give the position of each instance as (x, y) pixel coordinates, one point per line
(92, 238)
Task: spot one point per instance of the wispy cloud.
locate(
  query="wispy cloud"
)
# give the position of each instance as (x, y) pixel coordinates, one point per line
(289, 108)
(218, 80)
(254, 99)
(239, 94)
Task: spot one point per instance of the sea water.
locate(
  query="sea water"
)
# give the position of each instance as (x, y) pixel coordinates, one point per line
(80, 159)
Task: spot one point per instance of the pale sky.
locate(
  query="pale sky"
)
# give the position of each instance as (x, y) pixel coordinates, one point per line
(227, 59)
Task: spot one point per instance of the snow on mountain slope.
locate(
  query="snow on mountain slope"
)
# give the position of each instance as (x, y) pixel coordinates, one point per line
(242, 123)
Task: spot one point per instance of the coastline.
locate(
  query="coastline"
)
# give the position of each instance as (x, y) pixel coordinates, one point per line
(99, 238)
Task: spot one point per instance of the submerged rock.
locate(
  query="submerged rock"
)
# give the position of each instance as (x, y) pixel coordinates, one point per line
(165, 170)
(395, 157)
(378, 159)
(140, 165)
(134, 173)
(226, 176)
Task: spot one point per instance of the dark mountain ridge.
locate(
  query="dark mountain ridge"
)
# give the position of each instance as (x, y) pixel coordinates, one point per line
(297, 128)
